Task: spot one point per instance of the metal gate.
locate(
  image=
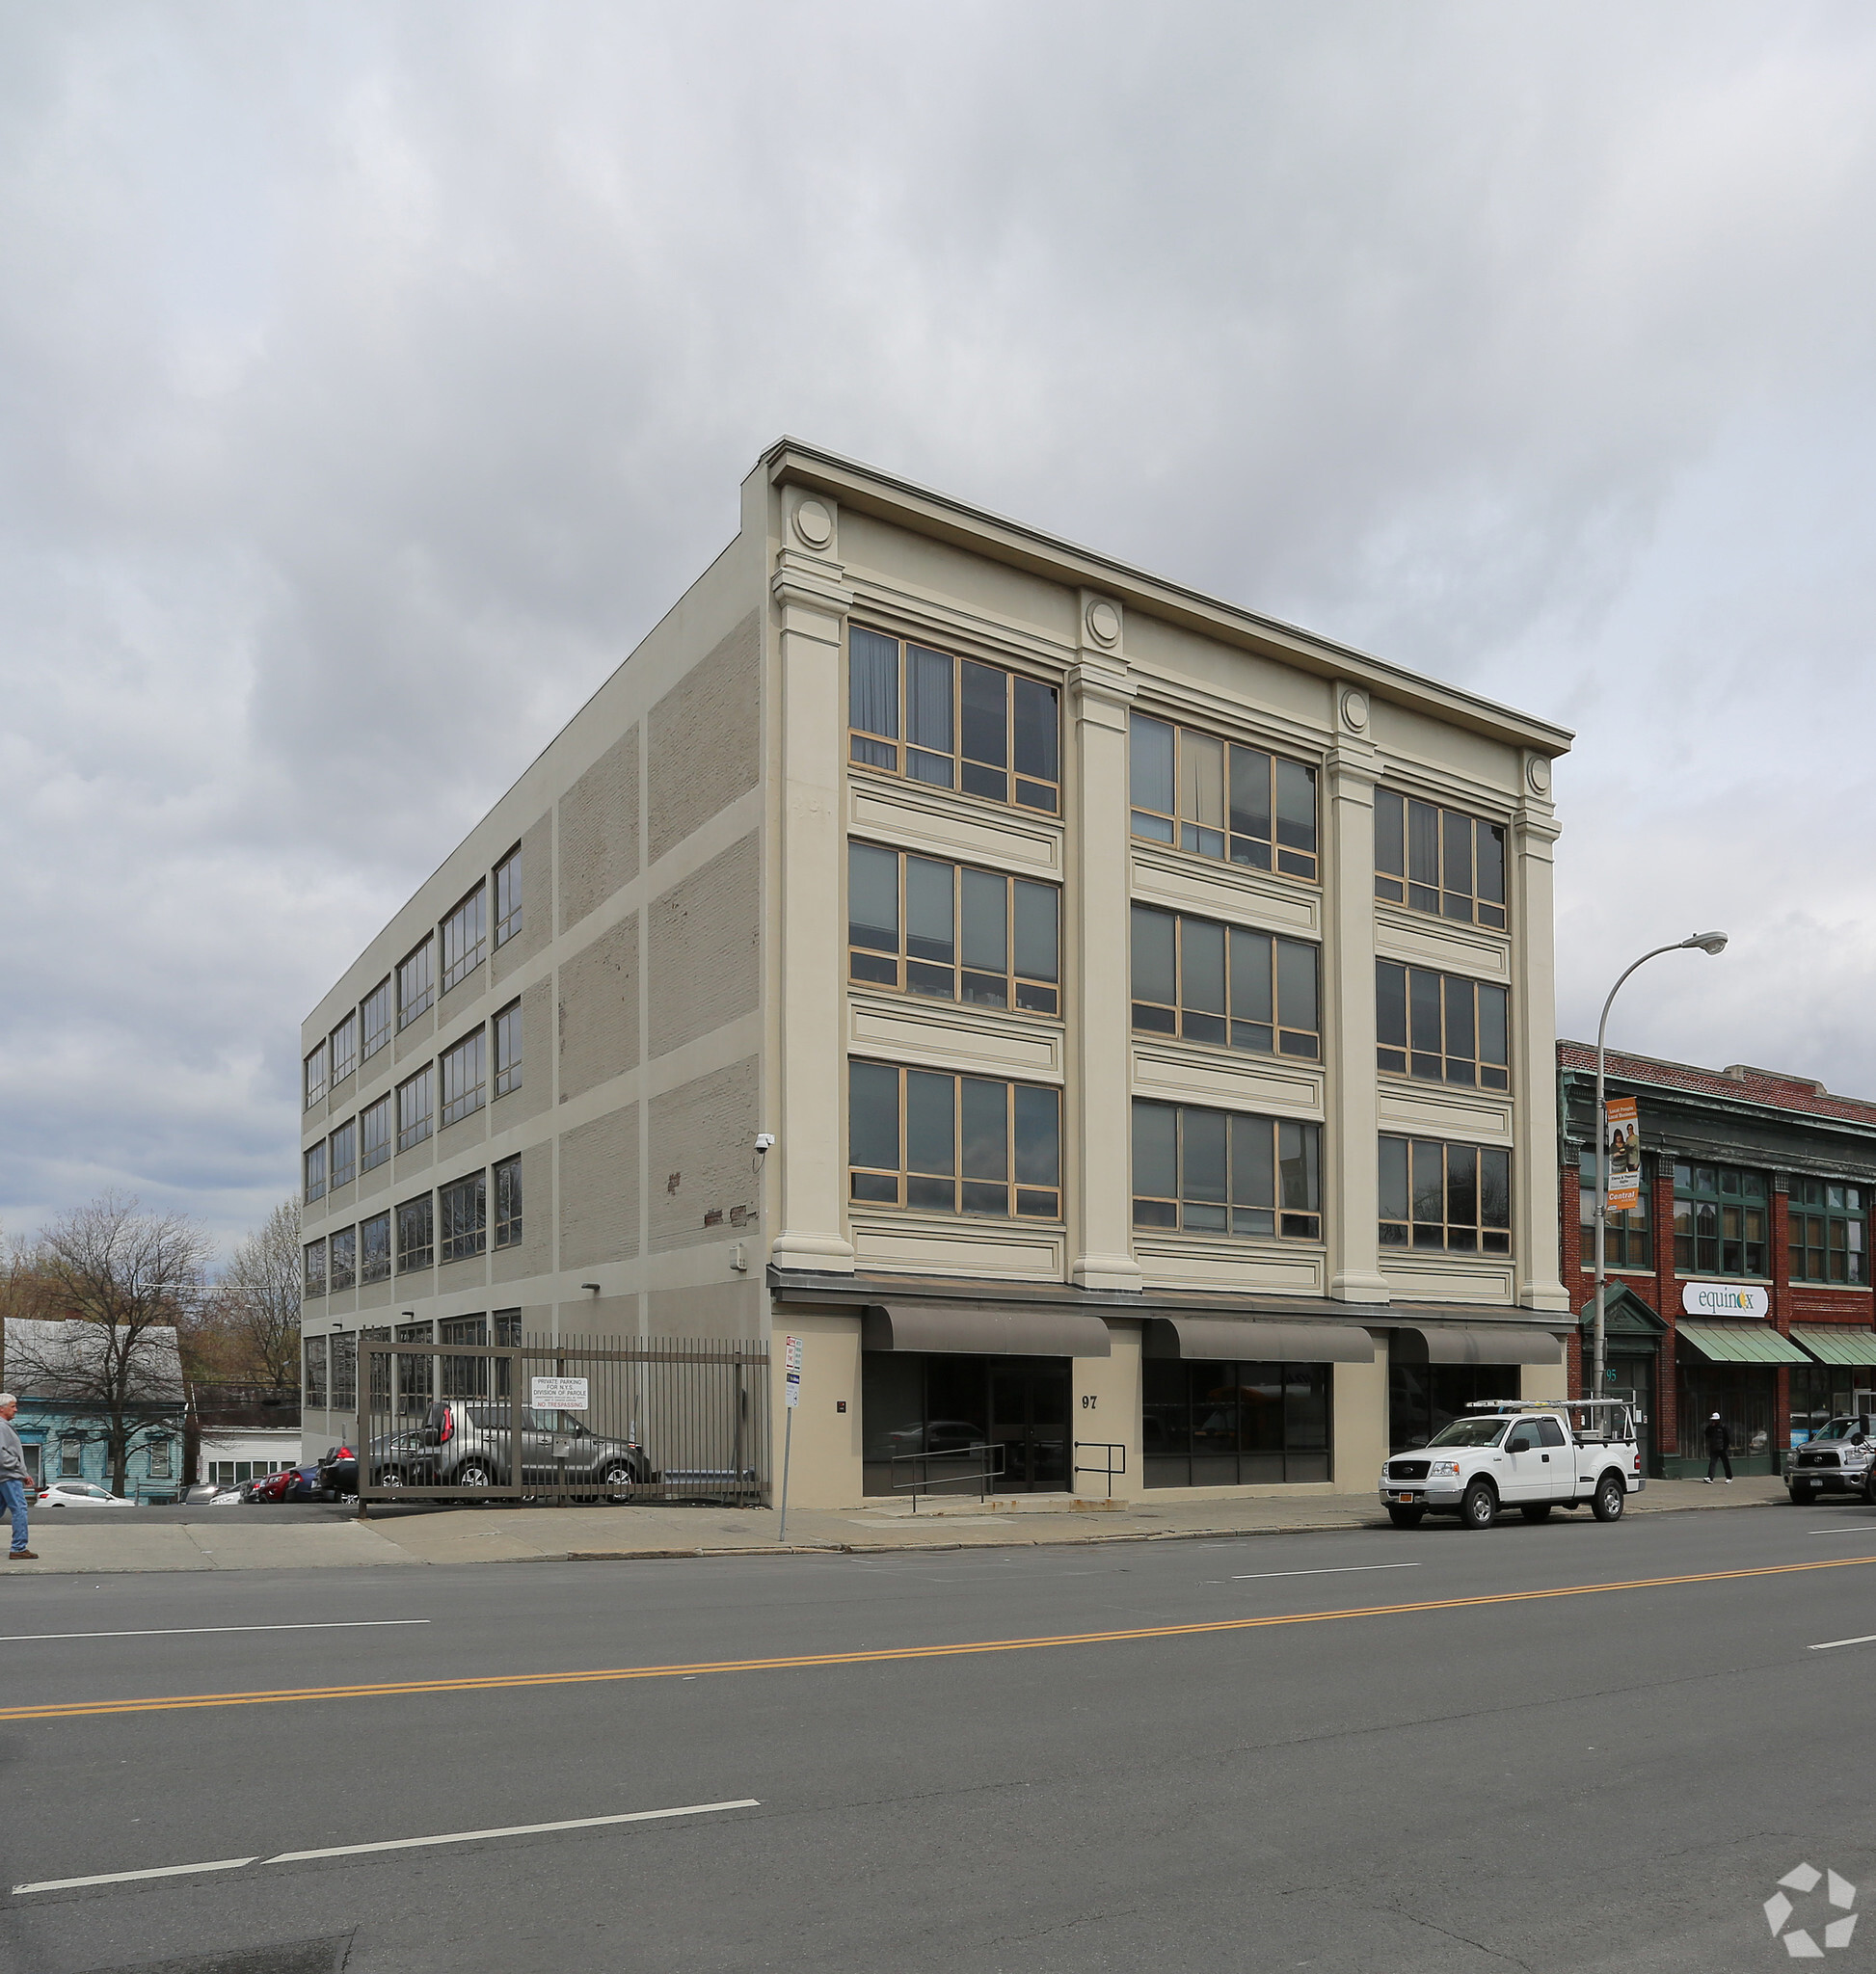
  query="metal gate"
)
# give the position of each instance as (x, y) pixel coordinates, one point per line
(560, 1419)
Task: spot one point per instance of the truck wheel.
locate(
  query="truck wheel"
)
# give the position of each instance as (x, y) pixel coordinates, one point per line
(1536, 1512)
(1480, 1507)
(1611, 1497)
(1802, 1496)
(1406, 1517)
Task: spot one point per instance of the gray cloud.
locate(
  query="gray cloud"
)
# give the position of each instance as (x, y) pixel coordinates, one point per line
(372, 377)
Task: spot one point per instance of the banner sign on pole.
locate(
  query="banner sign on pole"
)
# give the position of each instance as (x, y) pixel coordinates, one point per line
(1623, 1141)
(793, 1360)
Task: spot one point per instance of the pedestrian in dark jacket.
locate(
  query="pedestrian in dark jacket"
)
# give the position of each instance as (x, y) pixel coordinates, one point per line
(1718, 1449)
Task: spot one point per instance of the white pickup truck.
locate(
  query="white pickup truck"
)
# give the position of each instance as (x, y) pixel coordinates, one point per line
(1517, 1453)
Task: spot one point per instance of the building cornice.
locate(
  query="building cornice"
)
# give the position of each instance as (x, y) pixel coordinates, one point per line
(888, 498)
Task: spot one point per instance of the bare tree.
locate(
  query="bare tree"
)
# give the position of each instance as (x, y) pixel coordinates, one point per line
(254, 1313)
(118, 1277)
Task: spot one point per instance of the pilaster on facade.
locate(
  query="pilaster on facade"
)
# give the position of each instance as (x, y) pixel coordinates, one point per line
(1534, 835)
(1100, 1117)
(812, 603)
(1351, 1181)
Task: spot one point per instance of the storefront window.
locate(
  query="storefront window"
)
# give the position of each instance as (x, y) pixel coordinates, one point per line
(1744, 1395)
(1820, 1393)
(942, 1420)
(1222, 1424)
(1629, 1241)
(1719, 1220)
(1422, 1398)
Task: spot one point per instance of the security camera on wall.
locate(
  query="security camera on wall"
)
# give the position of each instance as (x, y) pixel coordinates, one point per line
(765, 1141)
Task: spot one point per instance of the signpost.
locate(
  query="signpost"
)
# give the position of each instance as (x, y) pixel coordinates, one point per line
(791, 1358)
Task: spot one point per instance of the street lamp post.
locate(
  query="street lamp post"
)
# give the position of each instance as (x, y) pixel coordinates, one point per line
(1704, 942)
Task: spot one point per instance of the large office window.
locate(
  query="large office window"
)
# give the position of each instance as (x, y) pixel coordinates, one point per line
(1439, 860)
(508, 897)
(1629, 1241)
(952, 932)
(313, 1160)
(465, 938)
(1228, 1425)
(465, 1087)
(314, 1076)
(1227, 1172)
(1225, 984)
(1454, 1197)
(415, 1234)
(507, 1026)
(463, 1216)
(314, 1351)
(346, 1154)
(417, 982)
(313, 1278)
(1210, 797)
(345, 1259)
(416, 1109)
(374, 1248)
(1424, 1399)
(375, 1018)
(374, 1134)
(345, 1372)
(951, 723)
(1720, 1220)
(344, 1048)
(1441, 1028)
(508, 1203)
(953, 1144)
(1828, 1232)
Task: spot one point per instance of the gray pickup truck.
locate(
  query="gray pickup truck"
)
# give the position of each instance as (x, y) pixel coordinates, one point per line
(1835, 1460)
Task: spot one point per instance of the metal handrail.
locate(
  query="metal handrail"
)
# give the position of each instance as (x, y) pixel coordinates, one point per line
(1101, 1446)
(991, 1470)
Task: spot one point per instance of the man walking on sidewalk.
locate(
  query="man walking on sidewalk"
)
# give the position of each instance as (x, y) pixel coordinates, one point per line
(13, 1479)
(1718, 1449)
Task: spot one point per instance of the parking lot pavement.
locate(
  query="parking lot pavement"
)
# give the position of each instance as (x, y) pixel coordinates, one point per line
(261, 1537)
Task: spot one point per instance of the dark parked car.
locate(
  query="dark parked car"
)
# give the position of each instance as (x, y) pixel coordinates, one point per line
(306, 1483)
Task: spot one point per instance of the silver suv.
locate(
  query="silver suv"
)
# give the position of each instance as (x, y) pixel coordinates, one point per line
(464, 1443)
(1835, 1459)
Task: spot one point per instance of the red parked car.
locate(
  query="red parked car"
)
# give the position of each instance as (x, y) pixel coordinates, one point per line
(270, 1486)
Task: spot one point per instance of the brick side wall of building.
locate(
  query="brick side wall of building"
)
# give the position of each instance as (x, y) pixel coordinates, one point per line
(598, 1010)
(599, 831)
(598, 1191)
(536, 1091)
(705, 952)
(704, 740)
(701, 1157)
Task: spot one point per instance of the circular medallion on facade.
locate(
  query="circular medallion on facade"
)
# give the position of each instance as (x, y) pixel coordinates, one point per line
(1355, 709)
(1539, 774)
(814, 523)
(1103, 622)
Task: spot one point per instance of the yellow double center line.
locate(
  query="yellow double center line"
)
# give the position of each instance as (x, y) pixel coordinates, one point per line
(500, 1681)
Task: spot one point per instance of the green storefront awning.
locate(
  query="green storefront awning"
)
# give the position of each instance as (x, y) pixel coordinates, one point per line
(1726, 1342)
(1837, 1346)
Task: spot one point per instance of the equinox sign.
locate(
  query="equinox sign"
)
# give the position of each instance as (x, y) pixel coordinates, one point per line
(1804, 1878)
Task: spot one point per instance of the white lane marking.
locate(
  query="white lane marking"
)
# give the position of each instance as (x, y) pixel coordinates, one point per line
(1341, 1569)
(125, 1877)
(190, 1631)
(582, 1823)
(579, 1823)
(1833, 1643)
(1855, 1528)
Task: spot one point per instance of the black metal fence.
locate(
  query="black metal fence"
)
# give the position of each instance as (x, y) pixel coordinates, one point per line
(560, 1419)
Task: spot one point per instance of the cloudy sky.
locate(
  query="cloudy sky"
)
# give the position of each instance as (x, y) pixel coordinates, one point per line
(371, 377)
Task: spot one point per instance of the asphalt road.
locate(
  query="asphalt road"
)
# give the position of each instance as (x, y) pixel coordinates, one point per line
(1504, 1776)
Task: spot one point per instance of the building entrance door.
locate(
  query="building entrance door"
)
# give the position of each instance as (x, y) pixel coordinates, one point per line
(1029, 1419)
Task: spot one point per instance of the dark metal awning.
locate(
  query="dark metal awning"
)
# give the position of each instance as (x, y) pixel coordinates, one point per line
(1503, 1343)
(984, 1329)
(1247, 1339)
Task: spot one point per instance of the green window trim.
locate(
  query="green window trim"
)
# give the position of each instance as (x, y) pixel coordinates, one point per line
(1721, 1220)
(1828, 1232)
(1629, 1241)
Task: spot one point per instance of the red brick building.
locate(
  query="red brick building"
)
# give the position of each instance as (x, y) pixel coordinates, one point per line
(1742, 1283)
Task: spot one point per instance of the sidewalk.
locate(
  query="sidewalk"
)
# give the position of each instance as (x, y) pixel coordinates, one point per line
(69, 1547)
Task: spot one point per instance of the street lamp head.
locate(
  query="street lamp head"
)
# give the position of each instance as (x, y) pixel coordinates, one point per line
(1708, 942)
